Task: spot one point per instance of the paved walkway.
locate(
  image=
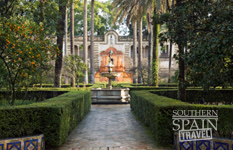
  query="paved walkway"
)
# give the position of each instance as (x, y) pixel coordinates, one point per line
(109, 127)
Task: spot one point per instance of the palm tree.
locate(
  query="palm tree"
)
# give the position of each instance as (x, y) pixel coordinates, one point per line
(130, 9)
(60, 32)
(72, 35)
(85, 40)
(156, 6)
(92, 42)
(148, 16)
(66, 20)
(140, 50)
(135, 45)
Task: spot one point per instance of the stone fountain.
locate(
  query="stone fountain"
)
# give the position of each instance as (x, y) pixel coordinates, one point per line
(110, 94)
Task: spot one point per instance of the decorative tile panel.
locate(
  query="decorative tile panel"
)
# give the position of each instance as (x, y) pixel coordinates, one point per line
(221, 146)
(203, 145)
(1, 146)
(188, 145)
(31, 144)
(14, 146)
(213, 144)
(23, 143)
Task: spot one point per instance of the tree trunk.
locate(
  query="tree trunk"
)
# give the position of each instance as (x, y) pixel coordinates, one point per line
(181, 78)
(92, 43)
(42, 11)
(41, 80)
(170, 60)
(140, 51)
(72, 27)
(13, 95)
(60, 33)
(149, 54)
(77, 80)
(186, 65)
(72, 36)
(66, 22)
(155, 60)
(66, 19)
(135, 49)
(85, 41)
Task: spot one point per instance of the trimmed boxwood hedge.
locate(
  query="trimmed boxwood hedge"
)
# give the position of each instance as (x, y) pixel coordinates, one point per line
(66, 85)
(33, 95)
(193, 96)
(156, 112)
(55, 117)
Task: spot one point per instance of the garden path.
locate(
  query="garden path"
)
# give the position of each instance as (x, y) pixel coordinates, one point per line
(109, 127)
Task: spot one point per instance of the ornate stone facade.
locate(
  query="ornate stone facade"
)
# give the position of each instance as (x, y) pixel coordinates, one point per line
(123, 57)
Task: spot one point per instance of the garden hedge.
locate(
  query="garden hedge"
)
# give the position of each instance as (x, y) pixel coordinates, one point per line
(55, 117)
(156, 112)
(68, 85)
(33, 95)
(194, 95)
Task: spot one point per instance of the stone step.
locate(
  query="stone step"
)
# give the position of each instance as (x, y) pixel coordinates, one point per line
(110, 97)
(116, 148)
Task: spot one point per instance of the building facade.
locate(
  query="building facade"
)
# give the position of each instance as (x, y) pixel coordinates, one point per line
(122, 57)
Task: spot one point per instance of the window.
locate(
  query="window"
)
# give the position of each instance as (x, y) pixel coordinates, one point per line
(164, 51)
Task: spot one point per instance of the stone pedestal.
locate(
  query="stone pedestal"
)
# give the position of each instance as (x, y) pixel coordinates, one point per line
(106, 95)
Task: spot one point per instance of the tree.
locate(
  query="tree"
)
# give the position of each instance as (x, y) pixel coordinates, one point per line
(175, 23)
(85, 40)
(135, 47)
(103, 17)
(72, 35)
(23, 50)
(140, 49)
(60, 32)
(210, 54)
(74, 66)
(92, 43)
(133, 12)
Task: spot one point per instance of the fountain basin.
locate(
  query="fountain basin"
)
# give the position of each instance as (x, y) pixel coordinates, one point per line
(106, 95)
(109, 75)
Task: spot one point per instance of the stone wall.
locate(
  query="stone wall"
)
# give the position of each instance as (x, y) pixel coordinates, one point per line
(125, 44)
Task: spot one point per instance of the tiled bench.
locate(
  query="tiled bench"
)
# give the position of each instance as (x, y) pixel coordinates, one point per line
(23, 143)
(213, 144)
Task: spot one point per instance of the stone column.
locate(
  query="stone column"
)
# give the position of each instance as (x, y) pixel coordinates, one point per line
(78, 51)
(144, 51)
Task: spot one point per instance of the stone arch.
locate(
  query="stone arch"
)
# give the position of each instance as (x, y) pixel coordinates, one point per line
(146, 51)
(81, 53)
(88, 51)
(76, 50)
(111, 32)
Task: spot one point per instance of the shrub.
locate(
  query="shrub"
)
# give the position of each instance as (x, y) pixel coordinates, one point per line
(194, 95)
(55, 117)
(156, 112)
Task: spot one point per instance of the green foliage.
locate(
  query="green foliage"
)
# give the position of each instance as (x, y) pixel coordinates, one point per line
(74, 66)
(155, 59)
(205, 28)
(55, 118)
(174, 78)
(193, 96)
(24, 52)
(102, 21)
(156, 112)
(50, 87)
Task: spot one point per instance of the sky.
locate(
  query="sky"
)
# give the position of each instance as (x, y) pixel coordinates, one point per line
(122, 27)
